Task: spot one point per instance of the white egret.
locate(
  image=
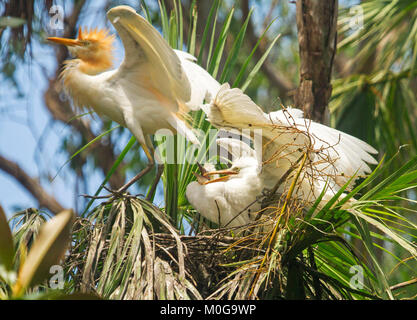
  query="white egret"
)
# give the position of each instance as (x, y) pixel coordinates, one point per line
(229, 199)
(154, 87)
(333, 156)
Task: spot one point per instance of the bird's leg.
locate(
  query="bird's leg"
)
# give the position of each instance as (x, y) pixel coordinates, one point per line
(151, 164)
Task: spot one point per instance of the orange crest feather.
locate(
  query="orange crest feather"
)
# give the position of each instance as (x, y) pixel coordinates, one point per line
(99, 36)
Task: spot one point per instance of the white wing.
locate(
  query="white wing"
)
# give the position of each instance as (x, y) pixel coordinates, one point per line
(337, 154)
(287, 136)
(149, 60)
(231, 108)
(237, 148)
(203, 86)
(281, 142)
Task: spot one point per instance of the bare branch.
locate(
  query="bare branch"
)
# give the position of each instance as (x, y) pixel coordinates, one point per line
(403, 284)
(30, 184)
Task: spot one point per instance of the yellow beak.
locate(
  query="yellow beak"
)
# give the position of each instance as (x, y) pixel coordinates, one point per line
(225, 172)
(203, 179)
(224, 178)
(64, 41)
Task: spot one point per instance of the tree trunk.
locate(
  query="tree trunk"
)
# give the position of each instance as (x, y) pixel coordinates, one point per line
(317, 35)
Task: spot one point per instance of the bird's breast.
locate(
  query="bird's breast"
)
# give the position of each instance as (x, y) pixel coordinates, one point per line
(97, 92)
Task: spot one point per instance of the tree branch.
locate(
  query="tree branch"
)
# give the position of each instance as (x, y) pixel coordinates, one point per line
(30, 184)
(317, 35)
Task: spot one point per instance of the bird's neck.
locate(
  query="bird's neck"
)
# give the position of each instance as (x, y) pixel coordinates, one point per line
(78, 83)
(93, 67)
(90, 91)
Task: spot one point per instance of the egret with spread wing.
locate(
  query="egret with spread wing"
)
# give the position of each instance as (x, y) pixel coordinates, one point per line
(154, 87)
(333, 156)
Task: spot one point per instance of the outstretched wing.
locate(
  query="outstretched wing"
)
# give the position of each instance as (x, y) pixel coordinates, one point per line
(231, 108)
(287, 136)
(336, 154)
(203, 86)
(149, 61)
(339, 154)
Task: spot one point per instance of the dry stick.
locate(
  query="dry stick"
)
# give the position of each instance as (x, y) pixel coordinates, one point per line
(272, 192)
(166, 250)
(285, 176)
(290, 191)
(403, 284)
(32, 185)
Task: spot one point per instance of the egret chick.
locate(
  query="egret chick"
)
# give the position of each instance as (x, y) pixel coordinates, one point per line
(229, 200)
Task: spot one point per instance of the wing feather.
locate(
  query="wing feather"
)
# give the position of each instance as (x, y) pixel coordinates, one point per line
(287, 135)
(149, 60)
(344, 155)
(232, 108)
(203, 86)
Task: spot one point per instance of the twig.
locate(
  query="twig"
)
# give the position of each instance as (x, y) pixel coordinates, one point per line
(278, 217)
(31, 184)
(403, 284)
